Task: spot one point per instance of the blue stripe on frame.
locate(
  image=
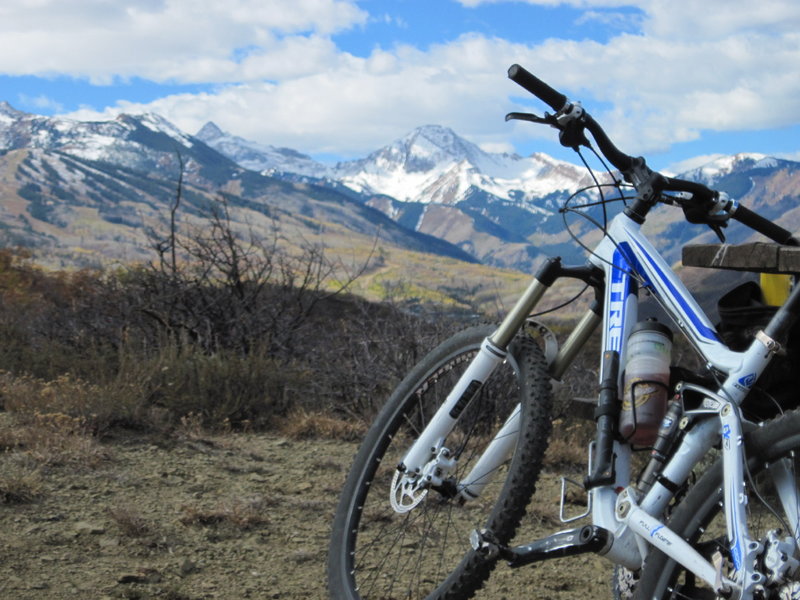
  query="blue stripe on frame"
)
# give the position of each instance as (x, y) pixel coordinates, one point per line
(702, 329)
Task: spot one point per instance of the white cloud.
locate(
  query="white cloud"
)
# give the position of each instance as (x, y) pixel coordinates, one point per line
(356, 104)
(165, 40)
(680, 67)
(575, 3)
(40, 102)
(498, 147)
(616, 20)
(793, 156)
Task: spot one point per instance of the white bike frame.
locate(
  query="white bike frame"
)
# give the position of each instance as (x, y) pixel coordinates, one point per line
(625, 252)
(629, 261)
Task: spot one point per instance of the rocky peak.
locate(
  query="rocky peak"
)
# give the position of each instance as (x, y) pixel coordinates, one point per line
(209, 132)
(6, 110)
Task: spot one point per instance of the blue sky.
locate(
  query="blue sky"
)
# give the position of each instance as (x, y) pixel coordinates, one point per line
(674, 80)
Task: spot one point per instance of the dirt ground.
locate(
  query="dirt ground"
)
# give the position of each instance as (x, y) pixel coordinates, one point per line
(233, 516)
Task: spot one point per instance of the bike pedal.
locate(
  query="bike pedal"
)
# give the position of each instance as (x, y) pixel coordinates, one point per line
(485, 543)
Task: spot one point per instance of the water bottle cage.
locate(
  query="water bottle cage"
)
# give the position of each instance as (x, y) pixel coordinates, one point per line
(633, 402)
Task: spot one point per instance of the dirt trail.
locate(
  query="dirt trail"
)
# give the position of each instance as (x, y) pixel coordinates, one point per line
(236, 516)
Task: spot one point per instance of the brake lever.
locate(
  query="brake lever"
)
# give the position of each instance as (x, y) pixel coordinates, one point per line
(548, 119)
(718, 230)
(693, 214)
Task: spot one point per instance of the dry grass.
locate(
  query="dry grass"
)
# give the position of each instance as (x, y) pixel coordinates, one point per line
(68, 403)
(569, 445)
(19, 484)
(52, 439)
(25, 394)
(130, 521)
(240, 513)
(302, 425)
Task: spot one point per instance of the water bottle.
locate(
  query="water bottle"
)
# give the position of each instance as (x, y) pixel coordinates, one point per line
(645, 386)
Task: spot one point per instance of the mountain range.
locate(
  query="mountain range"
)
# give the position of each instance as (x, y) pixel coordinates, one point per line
(85, 192)
(503, 208)
(90, 191)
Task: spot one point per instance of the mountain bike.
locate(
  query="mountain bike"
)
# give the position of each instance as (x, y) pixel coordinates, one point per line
(440, 483)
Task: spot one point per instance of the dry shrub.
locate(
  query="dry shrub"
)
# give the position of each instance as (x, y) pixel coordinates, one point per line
(239, 513)
(240, 337)
(54, 439)
(302, 424)
(130, 522)
(50, 423)
(67, 403)
(177, 388)
(18, 483)
(219, 391)
(25, 394)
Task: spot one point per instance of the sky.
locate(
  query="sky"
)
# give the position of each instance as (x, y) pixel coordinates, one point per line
(677, 81)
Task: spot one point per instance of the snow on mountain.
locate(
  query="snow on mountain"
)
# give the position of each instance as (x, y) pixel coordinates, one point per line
(265, 159)
(431, 164)
(8, 114)
(714, 170)
(498, 208)
(120, 141)
(434, 165)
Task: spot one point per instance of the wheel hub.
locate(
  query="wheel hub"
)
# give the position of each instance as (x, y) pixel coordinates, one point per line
(409, 489)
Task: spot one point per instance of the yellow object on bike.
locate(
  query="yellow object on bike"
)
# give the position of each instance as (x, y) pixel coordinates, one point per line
(776, 288)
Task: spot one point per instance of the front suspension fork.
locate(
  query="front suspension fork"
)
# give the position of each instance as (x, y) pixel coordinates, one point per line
(492, 353)
(501, 447)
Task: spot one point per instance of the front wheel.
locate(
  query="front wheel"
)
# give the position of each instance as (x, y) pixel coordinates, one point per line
(422, 550)
(772, 452)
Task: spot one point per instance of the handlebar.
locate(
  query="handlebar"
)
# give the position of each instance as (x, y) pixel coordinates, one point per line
(559, 103)
(701, 194)
(764, 226)
(555, 100)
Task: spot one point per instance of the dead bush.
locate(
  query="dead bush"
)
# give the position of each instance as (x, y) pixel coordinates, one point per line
(302, 424)
(19, 484)
(130, 521)
(239, 513)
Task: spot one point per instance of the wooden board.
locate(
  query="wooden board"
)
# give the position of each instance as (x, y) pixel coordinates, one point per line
(760, 257)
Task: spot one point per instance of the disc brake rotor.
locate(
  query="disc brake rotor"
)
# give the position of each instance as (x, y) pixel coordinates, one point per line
(405, 494)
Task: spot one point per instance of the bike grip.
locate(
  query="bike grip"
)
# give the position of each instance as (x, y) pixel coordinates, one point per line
(537, 87)
(764, 226)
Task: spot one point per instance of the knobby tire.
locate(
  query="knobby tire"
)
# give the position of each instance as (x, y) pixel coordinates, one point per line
(376, 553)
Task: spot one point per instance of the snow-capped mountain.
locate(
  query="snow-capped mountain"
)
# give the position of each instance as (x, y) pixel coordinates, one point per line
(431, 164)
(501, 208)
(494, 206)
(768, 185)
(434, 165)
(85, 190)
(266, 159)
(714, 170)
(134, 142)
(429, 187)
